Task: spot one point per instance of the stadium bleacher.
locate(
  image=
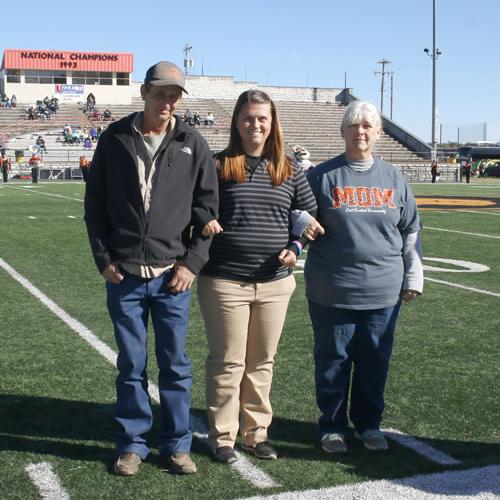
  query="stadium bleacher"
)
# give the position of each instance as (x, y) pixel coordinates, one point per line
(314, 125)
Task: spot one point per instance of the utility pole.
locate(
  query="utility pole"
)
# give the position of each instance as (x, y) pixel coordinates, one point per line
(383, 62)
(391, 73)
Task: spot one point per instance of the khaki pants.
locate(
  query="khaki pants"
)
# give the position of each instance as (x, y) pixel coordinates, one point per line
(243, 323)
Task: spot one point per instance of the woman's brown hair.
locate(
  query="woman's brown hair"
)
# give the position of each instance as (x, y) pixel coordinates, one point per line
(232, 162)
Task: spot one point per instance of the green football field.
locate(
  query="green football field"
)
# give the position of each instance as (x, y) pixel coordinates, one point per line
(57, 385)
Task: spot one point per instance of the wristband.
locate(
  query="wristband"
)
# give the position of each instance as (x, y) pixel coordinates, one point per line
(299, 246)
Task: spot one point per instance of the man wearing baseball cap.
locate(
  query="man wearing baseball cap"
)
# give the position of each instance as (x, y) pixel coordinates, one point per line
(151, 176)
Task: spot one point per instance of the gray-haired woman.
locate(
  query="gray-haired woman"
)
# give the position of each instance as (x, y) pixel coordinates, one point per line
(356, 275)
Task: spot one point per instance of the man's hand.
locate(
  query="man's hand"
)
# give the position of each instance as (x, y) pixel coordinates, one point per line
(313, 230)
(182, 278)
(408, 295)
(287, 258)
(113, 274)
(211, 228)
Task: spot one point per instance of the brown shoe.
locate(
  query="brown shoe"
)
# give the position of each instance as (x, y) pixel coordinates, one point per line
(181, 463)
(127, 464)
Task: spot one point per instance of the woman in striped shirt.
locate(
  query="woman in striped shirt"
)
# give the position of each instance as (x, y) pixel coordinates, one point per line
(245, 288)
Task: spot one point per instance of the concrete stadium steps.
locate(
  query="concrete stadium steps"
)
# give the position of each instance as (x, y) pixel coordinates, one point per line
(15, 122)
(315, 125)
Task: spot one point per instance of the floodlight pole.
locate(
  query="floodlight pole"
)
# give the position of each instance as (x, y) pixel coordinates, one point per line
(435, 54)
(186, 51)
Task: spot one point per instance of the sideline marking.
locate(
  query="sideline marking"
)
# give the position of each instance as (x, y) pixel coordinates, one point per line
(469, 288)
(462, 232)
(246, 468)
(46, 194)
(424, 449)
(46, 481)
(472, 484)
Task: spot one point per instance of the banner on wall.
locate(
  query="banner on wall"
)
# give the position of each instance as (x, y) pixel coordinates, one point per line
(66, 92)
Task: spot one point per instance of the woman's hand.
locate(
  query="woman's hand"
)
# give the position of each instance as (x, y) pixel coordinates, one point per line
(287, 258)
(313, 230)
(211, 228)
(408, 295)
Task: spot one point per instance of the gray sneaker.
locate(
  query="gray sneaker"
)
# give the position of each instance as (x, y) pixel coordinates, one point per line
(373, 439)
(333, 443)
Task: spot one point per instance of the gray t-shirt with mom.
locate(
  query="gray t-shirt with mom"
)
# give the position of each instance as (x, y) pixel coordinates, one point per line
(358, 262)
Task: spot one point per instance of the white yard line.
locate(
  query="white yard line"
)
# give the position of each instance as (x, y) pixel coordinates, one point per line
(46, 194)
(46, 481)
(463, 287)
(473, 484)
(462, 232)
(482, 212)
(245, 467)
(420, 447)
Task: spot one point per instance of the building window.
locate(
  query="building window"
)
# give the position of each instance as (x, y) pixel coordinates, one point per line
(13, 76)
(47, 77)
(122, 79)
(92, 78)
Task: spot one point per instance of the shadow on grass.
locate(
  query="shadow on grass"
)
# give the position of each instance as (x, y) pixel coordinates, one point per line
(298, 440)
(78, 430)
(83, 430)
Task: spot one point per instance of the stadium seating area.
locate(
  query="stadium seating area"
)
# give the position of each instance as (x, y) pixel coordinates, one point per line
(314, 125)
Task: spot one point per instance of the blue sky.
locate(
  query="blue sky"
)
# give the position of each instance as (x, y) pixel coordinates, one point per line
(290, 42)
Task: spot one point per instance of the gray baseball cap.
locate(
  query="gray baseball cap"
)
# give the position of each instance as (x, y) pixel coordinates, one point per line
(165, 73)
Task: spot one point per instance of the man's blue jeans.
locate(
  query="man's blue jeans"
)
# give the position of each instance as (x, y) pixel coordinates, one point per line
(130, 303)
(343, 338)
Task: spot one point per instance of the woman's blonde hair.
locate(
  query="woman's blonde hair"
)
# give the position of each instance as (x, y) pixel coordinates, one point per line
(231, 163)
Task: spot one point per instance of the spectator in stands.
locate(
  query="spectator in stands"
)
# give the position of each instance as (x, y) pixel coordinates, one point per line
(245, 288)
(434, 171)
(96, 115)
(5, 165)
(357, 274)
(54, 105)
(90, 102)
(210, 119)
(13, 101)
(107, 115)
(93, 133)
(46, 101)
(187, 117)
(40, 142)
(87, 143)
(148, 253)
(196, 119)
(84, 167)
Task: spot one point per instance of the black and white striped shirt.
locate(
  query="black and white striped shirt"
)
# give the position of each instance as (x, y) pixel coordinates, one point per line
(255, 217)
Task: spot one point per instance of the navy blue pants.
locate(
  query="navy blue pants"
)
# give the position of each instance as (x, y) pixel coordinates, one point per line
(130, 304)
(348, 340)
